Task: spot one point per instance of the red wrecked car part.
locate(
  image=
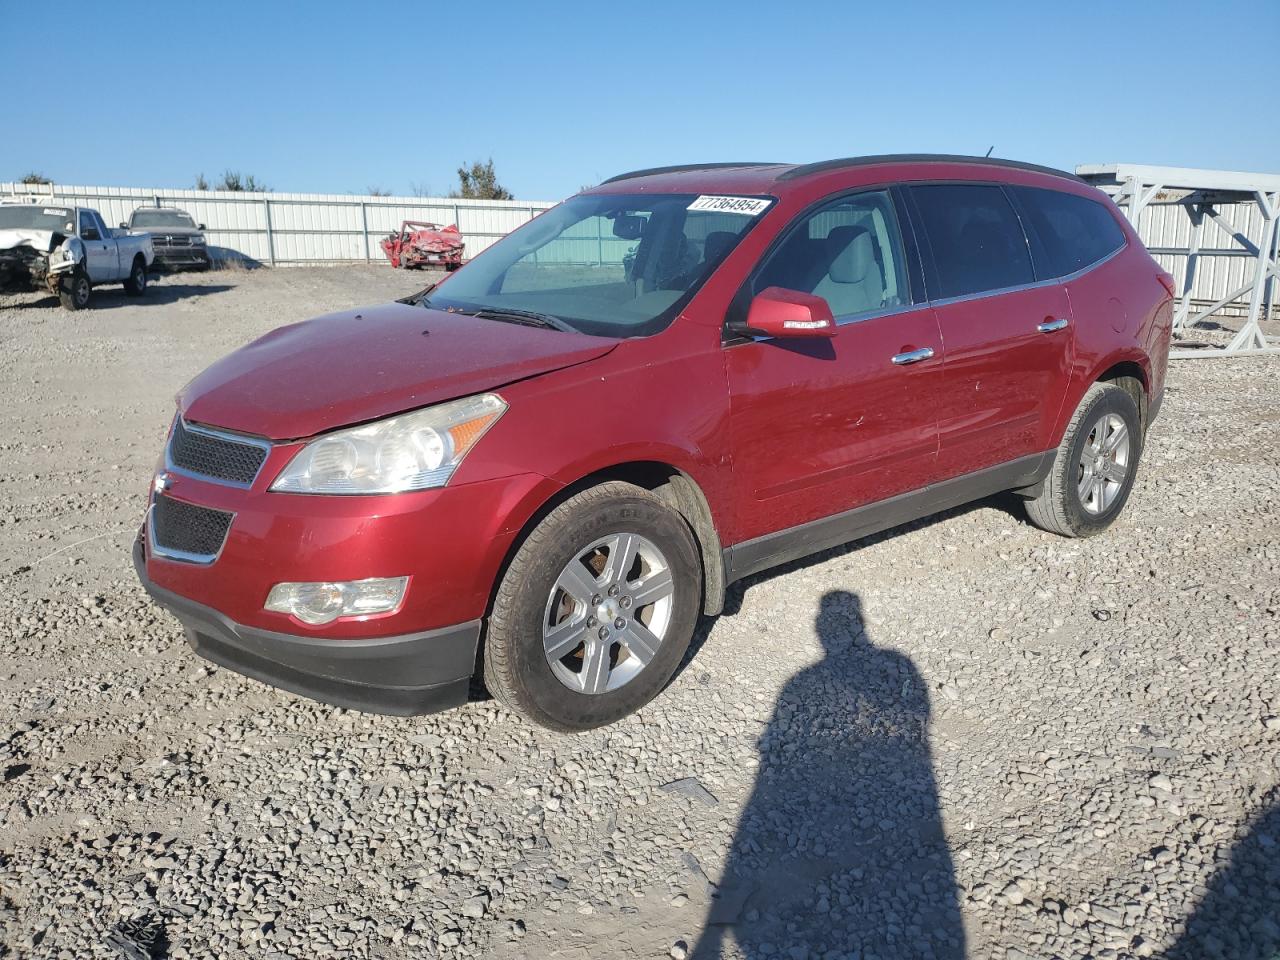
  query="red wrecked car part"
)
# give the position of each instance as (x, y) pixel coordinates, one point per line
(418, 245)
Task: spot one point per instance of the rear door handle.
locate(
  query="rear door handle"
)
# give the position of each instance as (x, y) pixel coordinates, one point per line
(1051, 325)
(913, 356)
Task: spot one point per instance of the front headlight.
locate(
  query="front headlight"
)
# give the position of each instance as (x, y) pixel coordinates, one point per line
(197, 241)
(412, 451)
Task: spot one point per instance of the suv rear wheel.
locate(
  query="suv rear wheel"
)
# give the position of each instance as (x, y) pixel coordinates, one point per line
(596, 610)
(1095, 465)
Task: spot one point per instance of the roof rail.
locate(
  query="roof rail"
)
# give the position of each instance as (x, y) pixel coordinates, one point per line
(685, 167)
(825, 165)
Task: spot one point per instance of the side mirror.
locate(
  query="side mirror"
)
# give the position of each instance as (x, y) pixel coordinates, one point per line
(124, 226)
(779, 312)
(199, 226)
(90, 233)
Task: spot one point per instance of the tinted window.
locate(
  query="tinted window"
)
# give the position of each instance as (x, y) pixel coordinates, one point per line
(1075, 231)
(849, 252)
(977, 241)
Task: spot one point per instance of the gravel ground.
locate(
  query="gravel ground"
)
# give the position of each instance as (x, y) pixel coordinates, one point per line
(964, 738)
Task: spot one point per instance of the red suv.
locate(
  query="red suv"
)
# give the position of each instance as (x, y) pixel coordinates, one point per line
(544, 469)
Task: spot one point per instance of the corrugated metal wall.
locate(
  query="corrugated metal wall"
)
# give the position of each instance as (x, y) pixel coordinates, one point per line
(1168, 225)
(296, 228)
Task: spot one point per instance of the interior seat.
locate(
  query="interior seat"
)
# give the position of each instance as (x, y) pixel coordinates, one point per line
(717, 245)
(853, 282)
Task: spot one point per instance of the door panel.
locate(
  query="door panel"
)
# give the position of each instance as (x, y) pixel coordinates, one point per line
(1008, 353)
(822, 426)
(100, 254)
(1005, 378)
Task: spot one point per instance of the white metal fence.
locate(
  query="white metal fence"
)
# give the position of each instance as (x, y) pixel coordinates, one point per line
(299, 228)
(1223, 266)
(306, 228)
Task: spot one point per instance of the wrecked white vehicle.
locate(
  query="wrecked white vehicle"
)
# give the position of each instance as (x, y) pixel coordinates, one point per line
(68, 250)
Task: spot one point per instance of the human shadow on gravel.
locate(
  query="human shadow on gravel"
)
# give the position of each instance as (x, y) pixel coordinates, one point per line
(1239, 916)
(840, 850)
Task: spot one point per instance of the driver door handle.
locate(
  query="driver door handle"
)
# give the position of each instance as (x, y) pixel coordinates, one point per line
(1049, 326)
(913, 356)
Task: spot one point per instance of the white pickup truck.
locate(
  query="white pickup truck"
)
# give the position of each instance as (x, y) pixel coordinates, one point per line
(68, 250)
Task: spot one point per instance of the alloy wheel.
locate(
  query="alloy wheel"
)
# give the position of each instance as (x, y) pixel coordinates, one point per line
(608, 613)
(1104, 464)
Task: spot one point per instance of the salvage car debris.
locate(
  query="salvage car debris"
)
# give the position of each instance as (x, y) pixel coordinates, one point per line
(418, 245)
(68, 250)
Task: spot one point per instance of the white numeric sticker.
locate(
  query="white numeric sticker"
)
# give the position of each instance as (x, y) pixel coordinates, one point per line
(747, 206)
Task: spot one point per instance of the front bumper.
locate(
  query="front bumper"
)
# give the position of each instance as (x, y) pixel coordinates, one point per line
(181, 257)
(402, 675)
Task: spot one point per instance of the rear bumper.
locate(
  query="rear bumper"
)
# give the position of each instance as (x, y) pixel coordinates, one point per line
(401, 675)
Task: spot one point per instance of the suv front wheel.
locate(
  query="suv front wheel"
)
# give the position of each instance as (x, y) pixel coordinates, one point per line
(596, 610)
(1094, 468)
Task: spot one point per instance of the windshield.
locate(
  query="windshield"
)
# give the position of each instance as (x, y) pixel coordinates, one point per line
(610, 265)
(35, 217)
(161, 218)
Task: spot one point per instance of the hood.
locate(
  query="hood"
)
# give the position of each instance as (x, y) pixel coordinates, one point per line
(166, 231)
(41, 240)
(360, 365)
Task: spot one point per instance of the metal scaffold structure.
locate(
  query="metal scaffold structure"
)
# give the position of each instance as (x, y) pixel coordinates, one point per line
(1201, 193)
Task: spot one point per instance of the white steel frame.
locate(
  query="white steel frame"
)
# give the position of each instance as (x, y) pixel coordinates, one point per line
(1134, 187)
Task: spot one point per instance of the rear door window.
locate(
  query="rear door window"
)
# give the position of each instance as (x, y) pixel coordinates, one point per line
(1075, 231)
(849, 252)
(978, 244)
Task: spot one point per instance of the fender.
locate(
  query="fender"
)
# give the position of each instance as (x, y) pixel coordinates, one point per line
(681, 489)
(1087, 376)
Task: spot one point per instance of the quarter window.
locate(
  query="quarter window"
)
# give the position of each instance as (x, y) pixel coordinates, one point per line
(1074, 230)
(978, 243)
(848, 252)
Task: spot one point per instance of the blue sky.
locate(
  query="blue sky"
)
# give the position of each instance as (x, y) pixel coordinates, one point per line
(338, 97)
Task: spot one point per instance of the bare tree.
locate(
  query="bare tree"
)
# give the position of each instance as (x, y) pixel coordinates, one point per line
(377, 192)
(34, 178)
(419, 189)
(479, 182)
(234, 181)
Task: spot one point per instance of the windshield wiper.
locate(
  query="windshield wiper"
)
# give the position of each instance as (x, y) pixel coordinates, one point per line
(419, 299)
(528, 318)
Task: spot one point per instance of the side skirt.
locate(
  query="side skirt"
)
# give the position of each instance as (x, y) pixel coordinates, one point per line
(752, 556)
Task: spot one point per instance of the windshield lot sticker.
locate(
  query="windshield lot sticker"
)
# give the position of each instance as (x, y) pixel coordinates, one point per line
(57, 213)
(747, 206)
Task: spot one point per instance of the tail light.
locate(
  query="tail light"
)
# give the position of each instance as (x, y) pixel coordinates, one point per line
(1166, 281)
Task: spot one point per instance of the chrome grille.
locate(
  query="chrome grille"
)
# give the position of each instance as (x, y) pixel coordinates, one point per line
(194, 532)
(218, 456)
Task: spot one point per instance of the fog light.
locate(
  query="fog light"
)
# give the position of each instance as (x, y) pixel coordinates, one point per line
(318, 603)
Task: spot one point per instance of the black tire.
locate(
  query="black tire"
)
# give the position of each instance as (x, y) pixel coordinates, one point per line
(1059, 507)
(74, 290)
(516, 668)
(136, 284)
